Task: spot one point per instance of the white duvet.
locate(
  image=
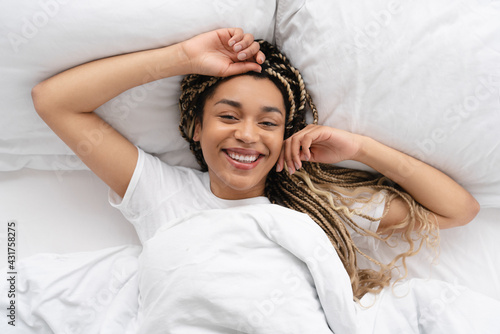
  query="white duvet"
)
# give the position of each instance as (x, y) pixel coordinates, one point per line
(255, 269)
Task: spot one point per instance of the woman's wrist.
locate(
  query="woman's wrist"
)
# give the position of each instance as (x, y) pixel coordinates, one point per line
(363, 153)
(174, 61)
(165, 62)
(394, 164)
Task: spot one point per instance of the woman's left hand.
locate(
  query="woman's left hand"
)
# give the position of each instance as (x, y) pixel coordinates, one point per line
(317, 143)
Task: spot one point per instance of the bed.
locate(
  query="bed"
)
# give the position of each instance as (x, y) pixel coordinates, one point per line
(422, 77)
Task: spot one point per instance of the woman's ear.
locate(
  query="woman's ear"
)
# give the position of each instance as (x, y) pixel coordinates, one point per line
(197, 131)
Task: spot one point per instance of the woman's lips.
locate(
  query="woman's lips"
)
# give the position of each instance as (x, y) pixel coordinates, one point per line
(243, 158)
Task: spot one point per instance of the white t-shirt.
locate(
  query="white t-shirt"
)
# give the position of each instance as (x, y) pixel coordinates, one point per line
(158, 194)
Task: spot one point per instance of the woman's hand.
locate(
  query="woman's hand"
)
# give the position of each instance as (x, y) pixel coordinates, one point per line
(318, 143)
(450, 204)
(223, 52)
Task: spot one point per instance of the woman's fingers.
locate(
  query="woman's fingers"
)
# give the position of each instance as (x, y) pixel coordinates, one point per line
(250, 53)
(288, 155)
(243, 44)
(318, 143)
(305, 148)
(236, 35)
(223, 52)
(242, 67)
(296, 149)
(281, 160)
(260, 58)
(301, 146)
(294, 158)
(247, 52)
(246, 47)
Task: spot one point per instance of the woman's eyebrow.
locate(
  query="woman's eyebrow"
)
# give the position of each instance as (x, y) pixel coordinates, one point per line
(238, 105)
(232, 103)
(272, 109)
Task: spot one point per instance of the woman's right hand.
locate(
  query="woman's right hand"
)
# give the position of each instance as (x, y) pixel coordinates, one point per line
(223, 52)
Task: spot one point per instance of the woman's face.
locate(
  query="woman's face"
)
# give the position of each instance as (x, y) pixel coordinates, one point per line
(241, 135)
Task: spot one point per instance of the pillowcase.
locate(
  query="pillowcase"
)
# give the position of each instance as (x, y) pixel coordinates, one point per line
(42, 38)
(422, 77)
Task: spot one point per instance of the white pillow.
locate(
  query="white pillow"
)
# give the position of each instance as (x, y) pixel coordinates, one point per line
(422, 77)
(42, 38)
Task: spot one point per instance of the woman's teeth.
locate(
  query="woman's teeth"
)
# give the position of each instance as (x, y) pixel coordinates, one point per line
(243, 158)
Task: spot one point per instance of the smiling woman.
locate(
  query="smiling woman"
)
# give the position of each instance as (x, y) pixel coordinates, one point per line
(243, 109)
(241, 134)
(227, 125)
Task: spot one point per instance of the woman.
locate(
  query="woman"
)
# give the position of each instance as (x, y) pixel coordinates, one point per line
(236, 128)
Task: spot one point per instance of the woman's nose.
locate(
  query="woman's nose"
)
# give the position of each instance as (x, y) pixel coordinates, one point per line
(246, 132)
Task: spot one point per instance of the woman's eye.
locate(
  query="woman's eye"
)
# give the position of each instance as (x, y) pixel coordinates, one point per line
(229, 117)
(269, 124)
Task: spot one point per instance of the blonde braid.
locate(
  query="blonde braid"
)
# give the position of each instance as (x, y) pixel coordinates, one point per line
(285, 83)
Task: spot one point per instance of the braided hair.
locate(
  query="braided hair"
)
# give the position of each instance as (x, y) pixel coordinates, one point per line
(325, 192)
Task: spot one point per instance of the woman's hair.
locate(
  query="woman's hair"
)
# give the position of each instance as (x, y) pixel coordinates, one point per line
(325, 192)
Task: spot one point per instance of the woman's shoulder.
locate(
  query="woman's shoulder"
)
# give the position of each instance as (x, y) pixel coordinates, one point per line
(161, 163)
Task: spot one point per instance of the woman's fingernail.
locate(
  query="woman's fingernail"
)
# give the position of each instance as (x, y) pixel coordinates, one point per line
(231, 43)
(242, 56)
(291, 170)
(237, 48)
(297, 166)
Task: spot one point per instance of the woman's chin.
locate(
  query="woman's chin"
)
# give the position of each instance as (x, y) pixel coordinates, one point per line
(238, 187)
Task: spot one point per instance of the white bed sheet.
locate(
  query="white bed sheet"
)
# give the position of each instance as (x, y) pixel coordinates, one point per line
(69, 214)
(97, 271)
(66, 212)
(60, 212)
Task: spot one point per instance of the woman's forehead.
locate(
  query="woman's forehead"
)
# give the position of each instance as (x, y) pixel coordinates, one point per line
(248, 89)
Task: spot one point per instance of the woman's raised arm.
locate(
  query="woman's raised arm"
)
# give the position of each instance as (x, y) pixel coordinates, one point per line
(66, 101)
(450, 203)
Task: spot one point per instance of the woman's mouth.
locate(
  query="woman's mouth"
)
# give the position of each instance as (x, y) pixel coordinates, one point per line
(243, 159)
